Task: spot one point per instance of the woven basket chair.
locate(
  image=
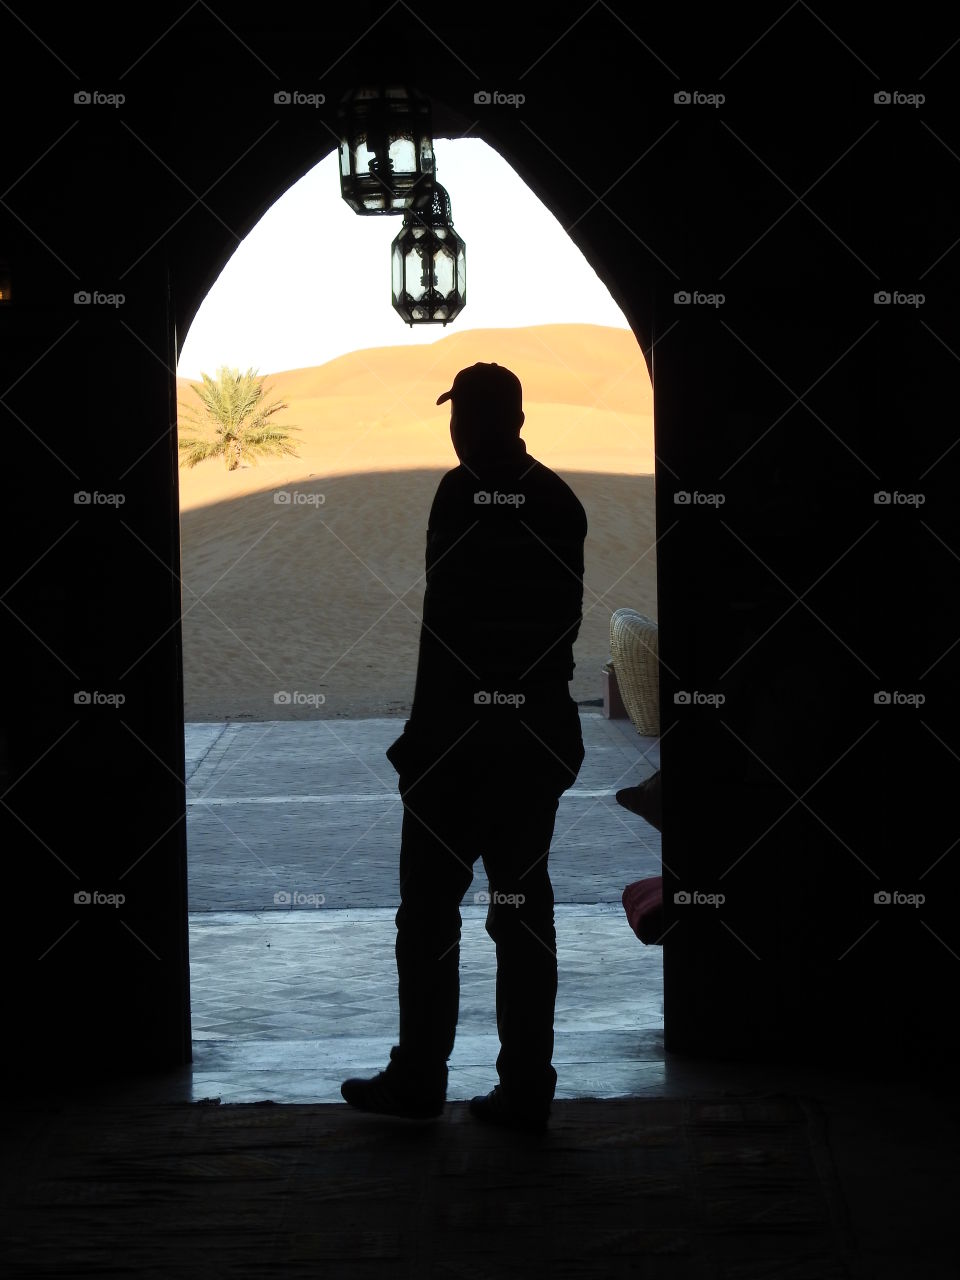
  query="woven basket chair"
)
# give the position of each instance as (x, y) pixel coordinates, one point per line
(636, 663)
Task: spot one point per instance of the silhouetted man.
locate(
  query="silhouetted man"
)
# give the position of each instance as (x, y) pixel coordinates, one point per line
(492, 742)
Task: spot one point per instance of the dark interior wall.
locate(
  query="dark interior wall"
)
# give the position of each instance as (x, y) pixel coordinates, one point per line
(796, 400)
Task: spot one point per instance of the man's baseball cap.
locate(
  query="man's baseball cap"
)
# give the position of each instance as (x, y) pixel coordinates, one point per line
(489, 386)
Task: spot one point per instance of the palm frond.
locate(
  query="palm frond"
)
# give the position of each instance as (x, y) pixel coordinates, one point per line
(233, 411)
(193, 451)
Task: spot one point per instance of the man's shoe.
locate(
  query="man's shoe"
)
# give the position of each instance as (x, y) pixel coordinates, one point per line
(388, 1094)
(644, 800)
(494, 1108)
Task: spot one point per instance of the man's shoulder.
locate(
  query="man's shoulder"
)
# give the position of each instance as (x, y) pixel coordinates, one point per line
(453, 481)
(454, 484)
(453, 501)
(555, 488)
(549, 493)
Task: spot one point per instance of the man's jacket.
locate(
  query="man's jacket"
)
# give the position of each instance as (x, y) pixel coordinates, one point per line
(502, 609)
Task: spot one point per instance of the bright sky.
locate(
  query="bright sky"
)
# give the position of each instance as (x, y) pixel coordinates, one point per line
(312, 279)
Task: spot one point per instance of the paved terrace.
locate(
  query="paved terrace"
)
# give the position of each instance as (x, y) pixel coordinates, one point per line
(289, 996)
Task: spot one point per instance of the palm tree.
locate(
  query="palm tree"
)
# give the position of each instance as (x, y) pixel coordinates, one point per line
(232, 406)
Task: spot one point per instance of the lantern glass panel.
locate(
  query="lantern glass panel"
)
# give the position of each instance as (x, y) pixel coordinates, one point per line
(363, 155)
(397, 276)
(444, 270)
(403, 155)
(413, 272)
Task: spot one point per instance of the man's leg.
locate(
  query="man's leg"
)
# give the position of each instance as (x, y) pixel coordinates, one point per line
(520, 921)
(436, 868)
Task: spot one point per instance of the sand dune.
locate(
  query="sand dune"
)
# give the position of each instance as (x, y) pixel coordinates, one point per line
(322, 596)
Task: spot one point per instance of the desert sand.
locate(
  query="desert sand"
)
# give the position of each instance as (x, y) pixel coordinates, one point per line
(319, 598)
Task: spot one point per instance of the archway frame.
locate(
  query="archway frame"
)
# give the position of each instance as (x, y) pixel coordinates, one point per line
(190, 286)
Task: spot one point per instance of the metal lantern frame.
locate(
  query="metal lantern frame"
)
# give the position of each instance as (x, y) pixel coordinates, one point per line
(428, 242)
(386, 148)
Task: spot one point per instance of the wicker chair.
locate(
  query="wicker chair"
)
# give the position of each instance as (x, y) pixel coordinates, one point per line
(636, 663)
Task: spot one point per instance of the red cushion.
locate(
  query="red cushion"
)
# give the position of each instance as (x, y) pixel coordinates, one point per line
(643, 903)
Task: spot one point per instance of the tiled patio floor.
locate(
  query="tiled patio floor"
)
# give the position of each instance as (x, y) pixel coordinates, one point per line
(287, 1000)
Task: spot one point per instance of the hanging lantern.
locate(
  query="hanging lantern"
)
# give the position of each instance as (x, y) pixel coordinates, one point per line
(386, 148)
(429, 262)
(6, 286)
